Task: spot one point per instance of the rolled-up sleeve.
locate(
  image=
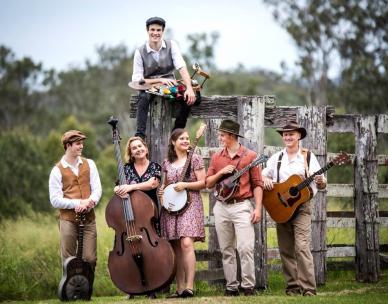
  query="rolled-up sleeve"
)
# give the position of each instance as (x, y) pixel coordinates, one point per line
(138, 70)
(211, 170)
(95, 183)
(176, 55)
(256, 177)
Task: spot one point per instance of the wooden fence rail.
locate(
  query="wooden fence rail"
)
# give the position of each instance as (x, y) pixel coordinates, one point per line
(255, 113)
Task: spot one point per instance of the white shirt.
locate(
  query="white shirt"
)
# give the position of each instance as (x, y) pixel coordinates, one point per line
(56, 186)
(289, 167)
(138, 69)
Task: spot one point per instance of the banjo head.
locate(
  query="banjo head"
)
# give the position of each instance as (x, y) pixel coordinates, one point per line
(174, 201)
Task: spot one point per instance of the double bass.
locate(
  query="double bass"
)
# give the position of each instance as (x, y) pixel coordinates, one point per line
(140, 262)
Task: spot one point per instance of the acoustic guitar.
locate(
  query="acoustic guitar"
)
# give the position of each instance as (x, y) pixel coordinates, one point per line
(227, 187)
(78, 275)
(175, 202)
(282, 201)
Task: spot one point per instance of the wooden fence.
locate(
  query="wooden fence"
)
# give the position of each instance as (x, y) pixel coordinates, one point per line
(254, 113)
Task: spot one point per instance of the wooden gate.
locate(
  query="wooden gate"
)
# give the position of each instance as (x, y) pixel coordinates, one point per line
(254, 113)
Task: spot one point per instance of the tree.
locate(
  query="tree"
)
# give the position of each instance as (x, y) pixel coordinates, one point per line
(201, 48)
(94, 93)
(23, 174)
(356, 33)
(19, 99)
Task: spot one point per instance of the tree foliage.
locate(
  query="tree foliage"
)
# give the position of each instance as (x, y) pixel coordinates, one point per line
(20, 98)
(23, 174)
(353, 35)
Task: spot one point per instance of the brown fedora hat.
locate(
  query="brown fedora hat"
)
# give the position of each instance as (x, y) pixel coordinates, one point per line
(293, 126)
(230, 126)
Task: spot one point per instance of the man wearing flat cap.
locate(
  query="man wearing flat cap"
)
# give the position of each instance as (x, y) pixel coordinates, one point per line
(155, 62)
(294, 235)
(75, 187)
(235, 216)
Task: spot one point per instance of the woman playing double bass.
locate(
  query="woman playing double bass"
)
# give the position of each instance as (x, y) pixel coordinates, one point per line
(186, 228)
(141, 173)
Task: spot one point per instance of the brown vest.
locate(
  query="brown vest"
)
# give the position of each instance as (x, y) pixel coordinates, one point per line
(75, 187)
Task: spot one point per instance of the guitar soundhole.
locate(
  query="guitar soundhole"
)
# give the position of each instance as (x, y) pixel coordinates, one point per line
(294, 191)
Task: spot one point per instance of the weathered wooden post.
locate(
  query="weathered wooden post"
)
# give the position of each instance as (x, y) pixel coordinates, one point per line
(365, 200)
(314, 120)
(250, 115)
(211, 140)
(159, 128)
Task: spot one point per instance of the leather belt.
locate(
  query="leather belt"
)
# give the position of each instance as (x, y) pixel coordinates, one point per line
(234, 201)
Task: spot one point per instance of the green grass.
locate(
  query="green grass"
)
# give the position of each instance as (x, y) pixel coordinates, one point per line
(30, 267)
(340, 288)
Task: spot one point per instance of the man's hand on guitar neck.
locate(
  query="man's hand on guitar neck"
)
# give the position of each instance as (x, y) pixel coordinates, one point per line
(320, 181)
(84, 205)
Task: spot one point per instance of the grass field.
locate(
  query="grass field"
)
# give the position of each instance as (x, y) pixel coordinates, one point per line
(30, 269)
(340, 288)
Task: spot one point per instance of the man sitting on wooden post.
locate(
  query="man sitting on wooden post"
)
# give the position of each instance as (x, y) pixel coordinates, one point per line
(294, 235)
(235, 215)
(153, 63)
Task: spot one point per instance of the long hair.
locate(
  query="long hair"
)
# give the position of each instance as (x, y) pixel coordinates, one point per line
(128, 156)
(171, 154)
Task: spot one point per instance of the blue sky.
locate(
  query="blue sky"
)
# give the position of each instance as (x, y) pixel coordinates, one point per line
(64, 33)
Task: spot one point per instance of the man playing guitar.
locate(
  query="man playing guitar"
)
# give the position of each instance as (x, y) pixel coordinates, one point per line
(294, 235)
(234, 218)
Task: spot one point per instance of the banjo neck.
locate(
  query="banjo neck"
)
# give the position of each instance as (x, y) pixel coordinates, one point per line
(188, 160)
(191, 153)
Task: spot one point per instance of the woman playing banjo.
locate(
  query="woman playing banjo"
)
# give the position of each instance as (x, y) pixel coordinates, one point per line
(187, 227)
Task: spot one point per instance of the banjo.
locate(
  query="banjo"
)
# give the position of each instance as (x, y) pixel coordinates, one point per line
(173, 201)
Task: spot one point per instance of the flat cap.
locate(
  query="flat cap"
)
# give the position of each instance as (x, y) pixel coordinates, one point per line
(156, 20)
(72, 136)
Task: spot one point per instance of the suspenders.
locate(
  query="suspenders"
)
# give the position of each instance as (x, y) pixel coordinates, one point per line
(279, 164)
(306, 155)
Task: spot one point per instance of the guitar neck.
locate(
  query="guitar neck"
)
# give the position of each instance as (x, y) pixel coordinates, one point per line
(257, 161)
(80, 245)
(188, 160)
(308, 180)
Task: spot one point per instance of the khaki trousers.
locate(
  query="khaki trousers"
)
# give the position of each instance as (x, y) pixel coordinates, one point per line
(68, 239)
(294, 247)
(235, 230)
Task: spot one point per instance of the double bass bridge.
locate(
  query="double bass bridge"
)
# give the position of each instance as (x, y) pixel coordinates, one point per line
(134, 238)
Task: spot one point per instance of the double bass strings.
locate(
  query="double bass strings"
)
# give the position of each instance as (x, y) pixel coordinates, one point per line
(128, 212)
